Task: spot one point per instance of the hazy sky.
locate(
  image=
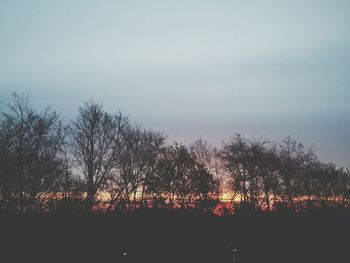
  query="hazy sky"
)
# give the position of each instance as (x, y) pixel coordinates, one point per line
(189, 68)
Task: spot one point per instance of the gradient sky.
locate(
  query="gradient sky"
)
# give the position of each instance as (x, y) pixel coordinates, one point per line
(189, 68)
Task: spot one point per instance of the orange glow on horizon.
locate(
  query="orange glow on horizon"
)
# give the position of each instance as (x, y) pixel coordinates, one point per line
(229, 197)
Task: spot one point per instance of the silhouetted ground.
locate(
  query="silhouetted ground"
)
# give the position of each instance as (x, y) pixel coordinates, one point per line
(176, 236)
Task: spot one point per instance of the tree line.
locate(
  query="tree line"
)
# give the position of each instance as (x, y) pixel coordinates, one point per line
(103, 161)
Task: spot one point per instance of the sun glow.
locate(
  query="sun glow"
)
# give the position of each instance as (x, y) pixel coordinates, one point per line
(229, 197)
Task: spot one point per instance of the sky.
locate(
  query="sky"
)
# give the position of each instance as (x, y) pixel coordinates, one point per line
(190, 69)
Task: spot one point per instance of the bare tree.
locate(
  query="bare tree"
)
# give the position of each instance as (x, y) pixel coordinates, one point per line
(208, 156)
(30, 144)
(265, 162)
(134, 162)
(290, 153)
(94, 143)
(45, 165)
(236, 158)
(153, 147)
(253, 166)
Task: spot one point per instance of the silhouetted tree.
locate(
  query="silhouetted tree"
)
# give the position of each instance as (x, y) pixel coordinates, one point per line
(182, 180)
(31, 165)
(103, 157)
(266, 163)
(94, 142)
(153, 147)
(134, 161)
(291, 154)
(204, 187)
(342, 193)
(209, 157)
(178, 177)
(241, 164)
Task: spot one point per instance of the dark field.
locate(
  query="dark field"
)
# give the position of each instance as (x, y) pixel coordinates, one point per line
(177, 236)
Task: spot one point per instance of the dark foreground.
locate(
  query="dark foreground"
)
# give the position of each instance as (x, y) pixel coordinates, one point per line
(176, 236)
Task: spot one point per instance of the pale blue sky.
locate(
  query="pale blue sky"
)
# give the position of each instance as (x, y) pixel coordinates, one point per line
(189, 68)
